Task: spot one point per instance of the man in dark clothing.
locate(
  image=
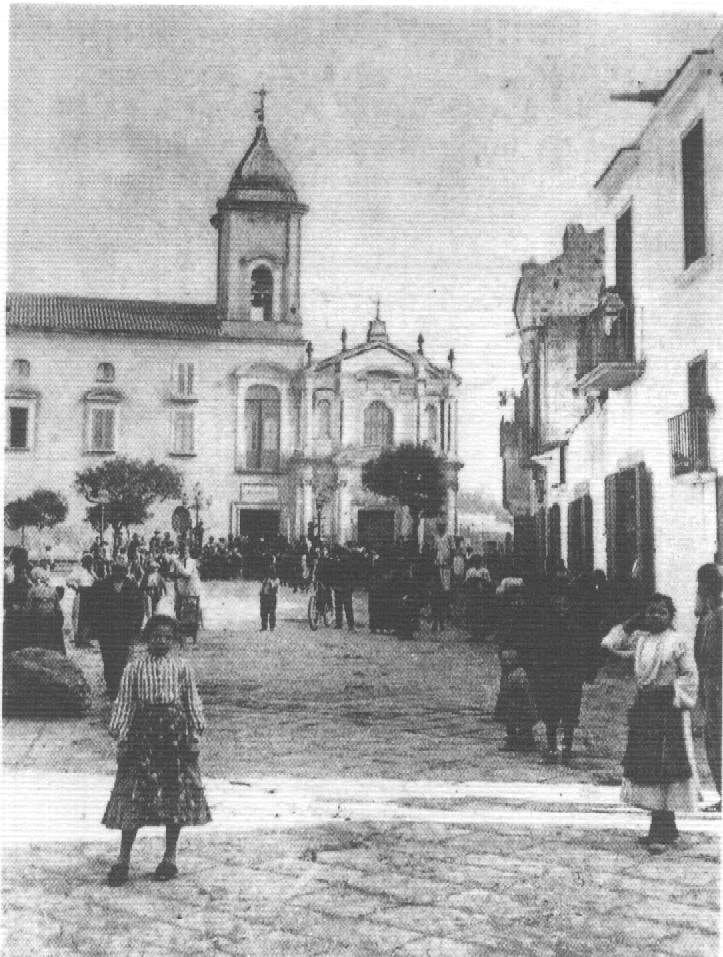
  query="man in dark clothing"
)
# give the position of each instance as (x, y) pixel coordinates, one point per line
(119, 610)
(343, 585)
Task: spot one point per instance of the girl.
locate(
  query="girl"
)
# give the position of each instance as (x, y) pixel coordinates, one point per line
(157, 719)
(659, 767)
(515, 707)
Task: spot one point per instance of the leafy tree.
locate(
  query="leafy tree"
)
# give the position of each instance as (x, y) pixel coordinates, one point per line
(42, 509)
(411, 474)
(129, 487)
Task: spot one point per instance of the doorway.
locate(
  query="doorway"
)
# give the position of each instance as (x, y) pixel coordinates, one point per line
(375, 527)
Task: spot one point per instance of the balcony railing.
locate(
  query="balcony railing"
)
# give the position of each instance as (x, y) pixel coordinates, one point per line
(688, 434)
(606, 351)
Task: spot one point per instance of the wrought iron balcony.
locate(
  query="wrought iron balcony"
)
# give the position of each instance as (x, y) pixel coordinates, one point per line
(606, 351)
(688, 434)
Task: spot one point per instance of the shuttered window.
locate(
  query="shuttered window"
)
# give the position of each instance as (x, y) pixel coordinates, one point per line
(18, 431)
(693, 171)
(624, 256)
(554, 544)
(184, 432)
(629, 527)
(580, 549)
(102, 429)
(263, 428)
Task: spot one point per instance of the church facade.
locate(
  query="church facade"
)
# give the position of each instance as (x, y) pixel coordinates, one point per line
(228, 392)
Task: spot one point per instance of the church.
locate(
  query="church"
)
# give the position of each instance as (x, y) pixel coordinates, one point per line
(229, 393)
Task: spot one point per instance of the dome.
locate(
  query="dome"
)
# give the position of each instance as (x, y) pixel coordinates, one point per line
(261, 174)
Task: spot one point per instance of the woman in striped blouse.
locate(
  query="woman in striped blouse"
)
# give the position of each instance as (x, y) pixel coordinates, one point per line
(157, 719)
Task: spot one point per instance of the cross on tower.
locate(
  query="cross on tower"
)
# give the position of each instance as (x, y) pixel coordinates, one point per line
(259, 111)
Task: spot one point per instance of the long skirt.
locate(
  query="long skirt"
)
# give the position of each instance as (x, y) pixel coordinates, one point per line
(188, 613)
(659, 766)
(158, 780)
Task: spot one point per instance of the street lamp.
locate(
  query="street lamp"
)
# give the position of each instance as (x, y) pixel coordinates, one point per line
(102, 499)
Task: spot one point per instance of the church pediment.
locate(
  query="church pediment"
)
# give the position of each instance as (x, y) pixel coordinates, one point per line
(380, 362)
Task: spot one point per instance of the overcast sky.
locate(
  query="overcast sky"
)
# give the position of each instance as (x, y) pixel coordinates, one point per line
(437, 150)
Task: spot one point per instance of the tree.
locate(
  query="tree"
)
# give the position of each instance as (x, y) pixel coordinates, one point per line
(42, 509)
(411, 474)
(128, 487)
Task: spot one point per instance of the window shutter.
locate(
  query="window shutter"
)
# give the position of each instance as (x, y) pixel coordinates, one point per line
(611, 525)
(644, 522)
(588, 547)
(693, 194)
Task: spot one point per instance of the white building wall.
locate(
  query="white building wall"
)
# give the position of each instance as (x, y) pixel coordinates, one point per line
(63, 369)
(678, 316)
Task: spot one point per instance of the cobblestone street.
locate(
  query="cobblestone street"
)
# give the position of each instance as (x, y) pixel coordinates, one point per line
(361, 806)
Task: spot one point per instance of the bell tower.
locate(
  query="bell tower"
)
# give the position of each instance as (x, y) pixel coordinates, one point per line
(258, 223)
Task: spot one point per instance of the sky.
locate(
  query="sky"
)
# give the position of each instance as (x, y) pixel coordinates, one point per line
(437, 149)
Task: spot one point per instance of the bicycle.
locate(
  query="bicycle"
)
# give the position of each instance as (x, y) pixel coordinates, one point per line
(319, 606)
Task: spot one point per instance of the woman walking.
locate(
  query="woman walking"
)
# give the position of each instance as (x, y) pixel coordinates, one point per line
(659, 767)
(157, 719)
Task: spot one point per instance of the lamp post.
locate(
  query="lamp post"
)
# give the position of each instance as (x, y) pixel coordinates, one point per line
(102, 499)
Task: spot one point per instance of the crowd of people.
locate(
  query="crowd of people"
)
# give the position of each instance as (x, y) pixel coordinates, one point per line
(552, 635)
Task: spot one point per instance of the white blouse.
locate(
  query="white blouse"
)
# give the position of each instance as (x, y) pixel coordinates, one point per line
(660, 660)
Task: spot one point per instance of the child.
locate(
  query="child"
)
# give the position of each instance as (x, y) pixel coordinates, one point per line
(267, 598)
(659, 766)
(157, 719)
(515, 706)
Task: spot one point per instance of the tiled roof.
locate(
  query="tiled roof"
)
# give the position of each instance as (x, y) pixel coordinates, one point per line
(176, 320)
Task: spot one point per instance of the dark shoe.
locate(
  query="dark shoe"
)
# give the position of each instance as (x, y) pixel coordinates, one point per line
(165, 871)
(118, 875)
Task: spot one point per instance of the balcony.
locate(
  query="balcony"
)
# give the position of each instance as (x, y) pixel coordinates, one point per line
(606, 351)
(689, 450)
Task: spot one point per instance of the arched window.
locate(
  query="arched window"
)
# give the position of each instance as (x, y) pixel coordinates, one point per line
(263, 427)
(262, 293)
(21, 368)
(105, 372)
(432, 425)
(378, 425)
(323, 419)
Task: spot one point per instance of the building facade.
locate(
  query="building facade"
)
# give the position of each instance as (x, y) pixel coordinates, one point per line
(624, 433)
(227, 392)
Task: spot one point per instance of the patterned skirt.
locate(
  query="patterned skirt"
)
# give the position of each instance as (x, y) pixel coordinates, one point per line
(158, 779)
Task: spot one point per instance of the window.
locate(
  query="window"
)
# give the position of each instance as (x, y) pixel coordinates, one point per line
(183, 432)
(698, 383)
(323, 419)
(378, 425)
(21, 368)
(554, 544)
(263, 427)
(105, 372)
(262, 294)
(102, 429)
(629, 528)
(624, 257)
(580, 548)
(693, 173)
(183, 379)
(432, 423)
(18, 427)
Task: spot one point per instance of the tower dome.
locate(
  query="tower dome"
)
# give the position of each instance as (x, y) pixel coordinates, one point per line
(261, 174)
